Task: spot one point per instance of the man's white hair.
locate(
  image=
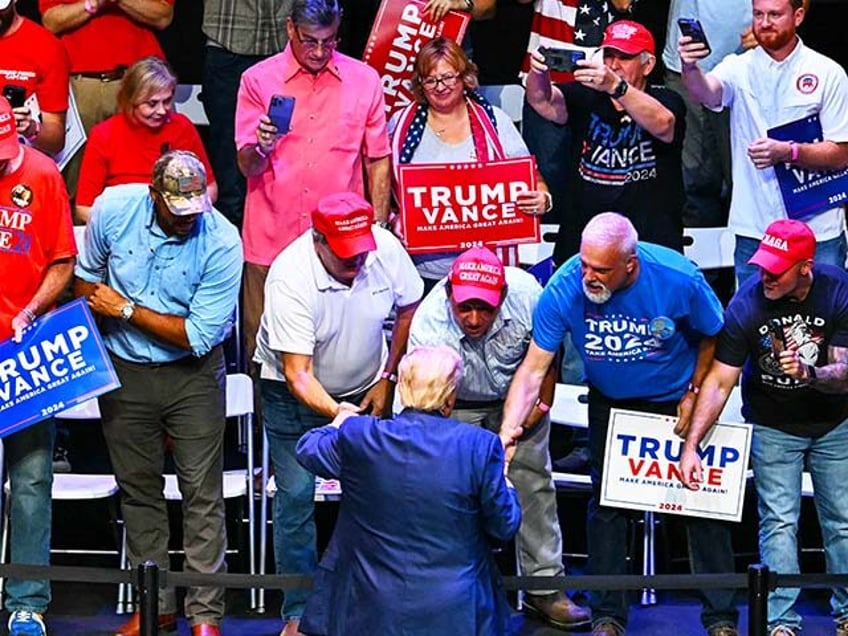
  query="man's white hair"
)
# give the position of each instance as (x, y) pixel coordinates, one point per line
(611, 228)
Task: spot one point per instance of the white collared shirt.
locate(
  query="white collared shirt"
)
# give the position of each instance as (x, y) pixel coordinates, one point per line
(762, 94)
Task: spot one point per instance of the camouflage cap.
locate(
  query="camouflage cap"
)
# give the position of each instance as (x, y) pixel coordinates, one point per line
(179, 176)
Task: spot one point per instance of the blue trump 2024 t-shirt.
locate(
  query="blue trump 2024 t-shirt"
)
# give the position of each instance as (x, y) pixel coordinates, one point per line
(643, 342)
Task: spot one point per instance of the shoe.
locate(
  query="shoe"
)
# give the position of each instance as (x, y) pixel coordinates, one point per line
(576, 462)
(557, 609)
(60, 460)
(723, 630)
(291, 628)
(167, 623)
(783, 630)
(205, 629)
(607, 628)
(26, 623)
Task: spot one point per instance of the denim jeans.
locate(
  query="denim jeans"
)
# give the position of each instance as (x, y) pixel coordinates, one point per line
(778, 459)
(710, 550)
(550, 143)
(221, 76)
(29, 455)
(286, 420)
(833, 252)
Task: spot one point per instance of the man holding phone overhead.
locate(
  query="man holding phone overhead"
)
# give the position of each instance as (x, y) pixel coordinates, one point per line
(627, 137)
(331, 129)
(34, 64)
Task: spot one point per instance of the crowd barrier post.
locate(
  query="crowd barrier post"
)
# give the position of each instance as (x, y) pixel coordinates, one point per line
(758, 589)
(148, 598)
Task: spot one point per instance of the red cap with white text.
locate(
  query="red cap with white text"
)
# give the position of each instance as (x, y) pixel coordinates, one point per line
(628, 37)
(477, 274)
(345, 220)
(9, 144)
(785, 243)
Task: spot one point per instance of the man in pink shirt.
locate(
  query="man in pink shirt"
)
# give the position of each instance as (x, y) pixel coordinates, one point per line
(337, 142)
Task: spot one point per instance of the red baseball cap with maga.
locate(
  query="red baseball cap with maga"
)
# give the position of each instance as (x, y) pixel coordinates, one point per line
(9, 144)
(628, 37)
(785, 243)
(345, 220)
(477, 274)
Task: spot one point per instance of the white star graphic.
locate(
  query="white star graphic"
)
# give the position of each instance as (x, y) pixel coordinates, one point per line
(585, 9)
(579, 35)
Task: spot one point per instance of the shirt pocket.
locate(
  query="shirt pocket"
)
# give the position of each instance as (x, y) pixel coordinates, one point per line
(505, 352)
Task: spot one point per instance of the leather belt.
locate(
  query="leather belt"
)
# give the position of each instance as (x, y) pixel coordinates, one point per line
(105, 76)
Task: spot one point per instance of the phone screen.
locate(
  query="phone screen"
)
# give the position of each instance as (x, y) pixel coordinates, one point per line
(15, 94)
(280, 112)
(693, 29)
(563, 60)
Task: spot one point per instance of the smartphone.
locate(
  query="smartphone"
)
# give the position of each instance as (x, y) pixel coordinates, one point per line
(563, 60)
(280, 111)
(778, 338)
(692, 28)
(16, 94)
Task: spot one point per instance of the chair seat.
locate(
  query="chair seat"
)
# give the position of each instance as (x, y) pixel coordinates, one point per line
(79, 487)
(235, 485)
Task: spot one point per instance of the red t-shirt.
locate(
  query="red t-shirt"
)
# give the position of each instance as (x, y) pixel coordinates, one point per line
(32, 57)
(120, 151)
(35, 230)
(107, 40)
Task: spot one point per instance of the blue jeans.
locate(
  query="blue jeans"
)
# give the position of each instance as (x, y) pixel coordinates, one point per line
(778, 459)
(710, 549)
(550, 143)
(29, 454)
(221, 76)
(286, 420)
(833, 252)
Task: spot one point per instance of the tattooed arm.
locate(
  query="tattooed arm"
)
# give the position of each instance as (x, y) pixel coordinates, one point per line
(831, 378)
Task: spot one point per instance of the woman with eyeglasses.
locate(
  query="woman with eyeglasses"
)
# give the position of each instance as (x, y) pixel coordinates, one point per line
(450, 122)
(124, 147)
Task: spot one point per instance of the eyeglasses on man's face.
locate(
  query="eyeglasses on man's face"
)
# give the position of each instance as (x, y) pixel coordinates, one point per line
(312, 43)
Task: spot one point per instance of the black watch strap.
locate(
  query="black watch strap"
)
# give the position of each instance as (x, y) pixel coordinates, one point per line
(620, 89)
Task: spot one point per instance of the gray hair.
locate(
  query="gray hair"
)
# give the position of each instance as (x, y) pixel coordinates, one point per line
(428, 376)
(611, 228)
(316, 13)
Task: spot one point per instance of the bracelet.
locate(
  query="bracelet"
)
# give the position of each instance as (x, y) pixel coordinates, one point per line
(26, 311)
(794, 151)
(388, 375)
(544, 408)
(693, 389)
(259, 151)
(549, 205)
(88, 8)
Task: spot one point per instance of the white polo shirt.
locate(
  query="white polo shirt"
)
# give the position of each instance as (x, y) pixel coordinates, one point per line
(310, 313)
(761, 94)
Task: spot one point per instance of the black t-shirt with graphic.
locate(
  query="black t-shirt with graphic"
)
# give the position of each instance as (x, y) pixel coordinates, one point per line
(769, 397)
(619, 167)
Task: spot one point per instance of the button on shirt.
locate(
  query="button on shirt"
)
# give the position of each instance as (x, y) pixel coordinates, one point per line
(489, 362)
(196, 277)
(762, 94)
(339, 118)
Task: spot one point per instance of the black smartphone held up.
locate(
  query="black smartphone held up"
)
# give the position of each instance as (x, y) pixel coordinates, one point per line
(778, 337)
(692, 28)
(16, 94)
(280, 112)
(563, 60)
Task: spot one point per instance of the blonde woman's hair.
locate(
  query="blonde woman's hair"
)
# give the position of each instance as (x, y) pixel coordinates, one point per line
(428, 376)
(144, 78)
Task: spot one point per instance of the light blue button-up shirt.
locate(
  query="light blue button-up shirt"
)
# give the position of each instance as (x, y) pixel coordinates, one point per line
(196, 277)
(489, 362)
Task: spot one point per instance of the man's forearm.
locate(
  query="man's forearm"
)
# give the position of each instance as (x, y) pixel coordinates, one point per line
(64, 17)
(650, 114)
(51, 137)
(822, 155)
(306, 388)
(250, 162)
(56, 278)
(400, 337)
(702, 88)
(154, 13)
(379, 186)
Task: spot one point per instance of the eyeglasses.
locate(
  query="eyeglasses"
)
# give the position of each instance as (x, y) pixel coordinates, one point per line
(449, 80)
(311, 43)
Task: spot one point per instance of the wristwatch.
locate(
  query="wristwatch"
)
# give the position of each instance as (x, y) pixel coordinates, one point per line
(127, 311)
(620, 89)
(469, 6)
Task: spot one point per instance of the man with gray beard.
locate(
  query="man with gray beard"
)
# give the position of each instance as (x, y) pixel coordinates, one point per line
(644, 321)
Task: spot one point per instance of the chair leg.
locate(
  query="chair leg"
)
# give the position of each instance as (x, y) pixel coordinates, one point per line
(263, 523)
(125, 592)
(251, 506)
(4, 544)
(649, 595)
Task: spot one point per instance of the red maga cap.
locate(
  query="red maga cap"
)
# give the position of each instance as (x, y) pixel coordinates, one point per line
(477, 274)
(9, 144)
(785, 243)
(345, 220)
(628, 37)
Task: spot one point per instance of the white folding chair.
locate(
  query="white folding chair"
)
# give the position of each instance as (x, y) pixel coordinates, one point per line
(709, 247)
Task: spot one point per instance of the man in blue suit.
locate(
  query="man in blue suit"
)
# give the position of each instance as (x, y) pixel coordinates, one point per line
(424, 498)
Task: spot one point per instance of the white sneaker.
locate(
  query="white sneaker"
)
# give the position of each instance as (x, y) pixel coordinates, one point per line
(26, 623)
